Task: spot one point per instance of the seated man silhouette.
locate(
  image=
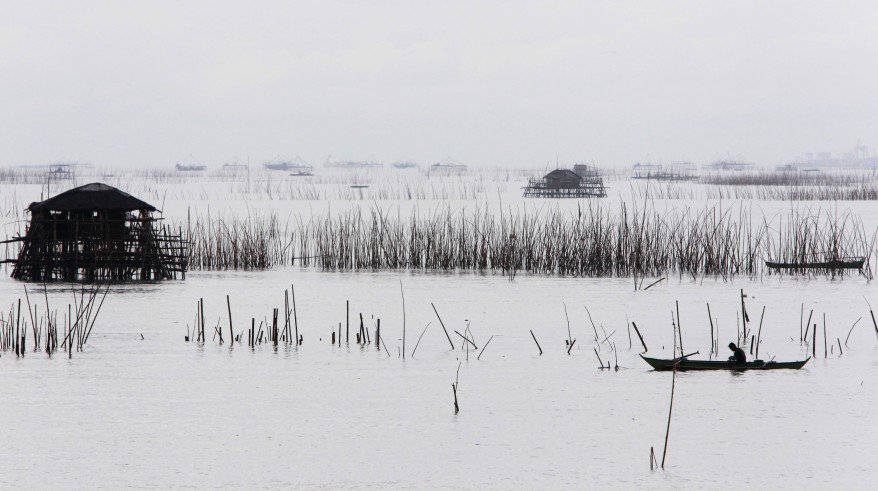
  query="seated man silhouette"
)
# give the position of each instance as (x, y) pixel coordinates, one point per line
(739, 356)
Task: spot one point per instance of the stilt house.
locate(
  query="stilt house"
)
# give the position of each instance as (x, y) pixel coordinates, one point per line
(97, 233)
(565, 183)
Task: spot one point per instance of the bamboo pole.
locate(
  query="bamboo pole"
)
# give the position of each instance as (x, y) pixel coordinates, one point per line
(645, 349)
(535, 340)
(670, 409)
(231, 330)
(402, 294)
(443, 325)
(759, 332)
(295, 316)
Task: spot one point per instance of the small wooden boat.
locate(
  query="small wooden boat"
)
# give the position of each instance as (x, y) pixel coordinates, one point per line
(856, 263)
(687, 364)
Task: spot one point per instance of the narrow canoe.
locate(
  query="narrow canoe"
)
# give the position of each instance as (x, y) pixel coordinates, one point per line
(686, 364)
(834, 264)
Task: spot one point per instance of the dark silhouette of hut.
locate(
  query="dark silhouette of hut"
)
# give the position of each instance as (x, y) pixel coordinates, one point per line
(95, 233)
(564, 183)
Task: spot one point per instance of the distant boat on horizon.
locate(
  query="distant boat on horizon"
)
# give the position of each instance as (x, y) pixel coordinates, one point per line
(296, 167)
(189, 168)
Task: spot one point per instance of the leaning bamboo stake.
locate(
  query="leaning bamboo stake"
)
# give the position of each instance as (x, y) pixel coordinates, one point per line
(759, 332)
(653, 283)
(484, 348)
(97, 312)
(645, 349)
(808, 326)
(596, 338)
(873, 321)
(31, 313)
(295, 316)
(569, 336)
(443, 325)
(419, 339)
(468, 340)
(600, 362)
(852, 330)
(535, 340)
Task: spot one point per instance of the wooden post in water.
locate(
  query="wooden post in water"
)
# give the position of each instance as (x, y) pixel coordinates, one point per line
(873, 321)
(743, 315)
(287, 333)
(814, 342)
(231, 331)
(710, 318)
(825, 349)
(201, 312)
(759, 332)
(70, 332)
(295, 317)
(670, 411)
(378, 335)
(801, 318)
(808, 326)
(679, 327)
(274, 326)
(18, 350)
(402, 294)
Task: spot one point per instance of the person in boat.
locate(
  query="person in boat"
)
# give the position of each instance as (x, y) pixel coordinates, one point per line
(739, 356)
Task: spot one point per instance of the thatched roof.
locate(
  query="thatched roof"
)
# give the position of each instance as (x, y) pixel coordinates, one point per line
(563, 174)
(96, 197)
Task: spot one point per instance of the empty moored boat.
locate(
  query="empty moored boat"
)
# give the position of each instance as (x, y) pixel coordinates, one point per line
(853, 263)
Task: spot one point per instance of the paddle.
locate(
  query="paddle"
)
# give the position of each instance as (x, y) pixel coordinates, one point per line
(686, 356)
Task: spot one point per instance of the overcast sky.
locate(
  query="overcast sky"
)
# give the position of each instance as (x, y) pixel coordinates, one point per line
(505, 83)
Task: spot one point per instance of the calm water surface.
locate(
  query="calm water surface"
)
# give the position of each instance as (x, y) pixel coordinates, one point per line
(159, 412)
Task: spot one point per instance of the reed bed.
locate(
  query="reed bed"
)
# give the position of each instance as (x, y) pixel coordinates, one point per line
(866, 191)
(790, 178)
(596, 240)
(48, 333)
(254, 241)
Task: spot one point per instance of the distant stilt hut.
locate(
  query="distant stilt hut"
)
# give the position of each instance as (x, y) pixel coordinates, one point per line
(97, 233)
(565, 183)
